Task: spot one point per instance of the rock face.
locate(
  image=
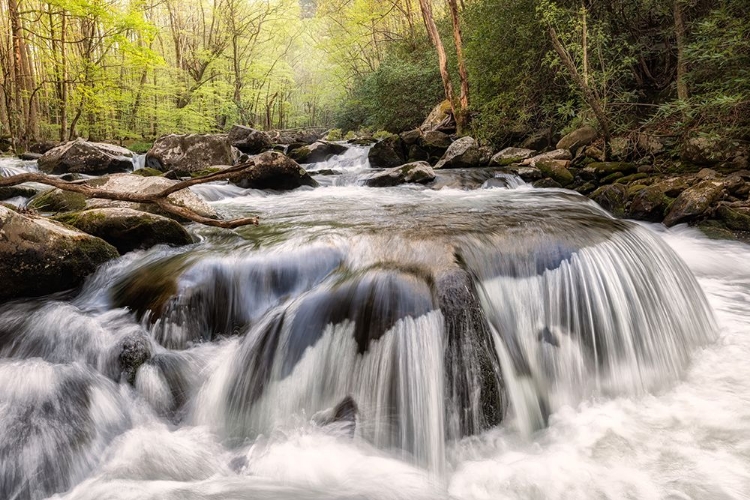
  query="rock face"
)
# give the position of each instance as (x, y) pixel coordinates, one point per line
(578, 139)
(274, 170)
(129, 183)
(508, 156)
(387, 153)
(189, 153)
(39, 256)
(248, 140)
(463, 153)
(418, 172)
(694, 202)
(85, 157)
(709, 150)
(317, 152)
(127, 229)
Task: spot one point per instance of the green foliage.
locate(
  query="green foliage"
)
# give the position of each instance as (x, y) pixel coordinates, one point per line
(334, 134)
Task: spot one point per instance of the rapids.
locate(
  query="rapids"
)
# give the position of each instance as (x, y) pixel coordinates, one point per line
(482, 340)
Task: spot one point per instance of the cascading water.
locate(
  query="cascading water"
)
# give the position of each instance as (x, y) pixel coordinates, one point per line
(377, 343)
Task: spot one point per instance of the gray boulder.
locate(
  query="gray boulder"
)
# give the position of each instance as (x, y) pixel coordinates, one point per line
(508, 156)
(273, 170)
(248, 140)
(694, 202)
(317, 152)
(578, 139)
(387, 153)
(463, 153)
(127, 229)
(557, 154)
(39, 256)
(418, 172)
(83, 157)
(189, 153)
(612, 198)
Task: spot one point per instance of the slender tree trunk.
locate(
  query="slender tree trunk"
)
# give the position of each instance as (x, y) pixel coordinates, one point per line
(432, 31)
(680, 35)
(18, 113)
(462, 117)
(585, 45)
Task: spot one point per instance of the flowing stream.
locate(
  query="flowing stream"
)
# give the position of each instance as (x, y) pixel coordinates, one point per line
(483, 340)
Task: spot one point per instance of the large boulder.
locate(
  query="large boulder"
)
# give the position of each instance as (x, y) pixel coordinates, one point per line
(649, 204)
(301, 136)
(83, 157)
(39, 256)
(557, 154)
(189, 153)
(578, 138)
(57, 200)
(317, 152)
(463, 153)
(434, 140)
(418, 172)
(127, 229)
(440, 118)
(387, 153)
(129, 183)
(42, 147)
(612, 198)
(694, 202)
(248, 140)
(273, 170)
(508, 156)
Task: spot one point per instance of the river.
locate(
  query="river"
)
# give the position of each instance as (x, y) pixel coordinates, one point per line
(486, 340)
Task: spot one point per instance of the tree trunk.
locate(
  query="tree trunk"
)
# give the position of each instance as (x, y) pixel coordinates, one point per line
(680, 35)
(18, 113)
(462, 117)
(432, 31)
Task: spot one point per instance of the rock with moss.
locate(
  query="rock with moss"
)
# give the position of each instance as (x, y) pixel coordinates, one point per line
(387, 153)
(39, 256)
(273, 170)
(463, 153)
(57, 200)
(627, 179)
(317, 152)
(694, 202)
(612, 198)
(600, 170)
(673, 187)
(735, 217)
(418, 172)
(557, 154)
(8, 192)
(578, 138)
(440, 118)
(189, 153)
(129, 183)
(411, 137)
(148, 172)
(509, 156)
(556, 170)
(435, 141)
(248, 140)
(127, 229)
(84, 157)
(649, 204)
(546, 183)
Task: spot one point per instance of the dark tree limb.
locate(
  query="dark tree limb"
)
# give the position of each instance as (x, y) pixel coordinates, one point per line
(159, 199)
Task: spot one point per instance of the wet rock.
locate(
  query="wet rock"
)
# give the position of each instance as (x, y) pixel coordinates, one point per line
(508, 156)
(387, 153)
(418, 172)
(39, 256)
(694, 202)
(557, 154)
(30, 156)
(317, 152)
(417, 154)
(612, 178)
(129, 183)
(528, 174)
(248, 140)
(612, 198)
(343, 415)
(627, 179)
(463, 153)
(127, 229)
(736, 218)
(586, 188)
(556, 170)
(135, 350)
(80, 156)
(9, 192)
(649, 204)
(547, 183)
(600, 170)
(673, 187)
(578, 139)
(57, 200)
(273, 170)
(189, 153)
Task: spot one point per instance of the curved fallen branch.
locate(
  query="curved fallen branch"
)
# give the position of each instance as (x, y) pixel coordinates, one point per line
(159, 199)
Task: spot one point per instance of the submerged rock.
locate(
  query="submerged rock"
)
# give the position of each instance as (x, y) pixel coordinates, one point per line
(189, 153)
(135, 350)
(81, 156)
(418, 172)
(39, 256)
(127, 229)
(273, 170)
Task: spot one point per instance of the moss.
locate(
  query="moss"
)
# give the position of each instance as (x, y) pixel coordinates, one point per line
(734, 219)
(58, 200)
(204, 172)
(631, 178)
(635, 189)
(300, 154)
(148, 172)
(140, 147)
(612, 178)
(715, 230)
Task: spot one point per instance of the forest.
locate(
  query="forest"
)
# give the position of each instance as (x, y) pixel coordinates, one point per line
(132, 70)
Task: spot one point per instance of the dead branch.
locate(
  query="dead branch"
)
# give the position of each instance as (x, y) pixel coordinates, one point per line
(159, 199)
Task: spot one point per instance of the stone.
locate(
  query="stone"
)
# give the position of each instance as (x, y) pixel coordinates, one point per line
(135, 350)
(189, 153)
(616, 176)
(707, 173)
(8, 192)
(57, 200)
(508, 156)
(611, 198)
(557, 154)
(440, 118)
(463, 153)
(83, 157)
(649, 204)
(127, 229)
(539, 140)
(30, 156)
(707, 150)
(248, 140)
(39, 256)
(694, 202)
(556, 170)
(528, 174)
(673, 187)
(411, 137)
(627, 179)
(317, 152)
(387, 153)
(578, 138)
(600, 170)
(273, 170)
(734, 218)
(417, 172)
(417, 154)
(435, 140)
(42, 147)
(546, 183)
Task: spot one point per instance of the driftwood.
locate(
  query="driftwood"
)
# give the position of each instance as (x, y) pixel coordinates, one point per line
(159, 199)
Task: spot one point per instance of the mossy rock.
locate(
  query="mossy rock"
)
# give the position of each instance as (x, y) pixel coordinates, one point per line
(631, 178)
(649, 204)
(715, 230)
(58, 200)
(734, 219)
(611, 198)
(128, 229)
(147, 172)
(603, 169)
(612, 178)
(205, 172)
(9, 192)
(557, 171)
